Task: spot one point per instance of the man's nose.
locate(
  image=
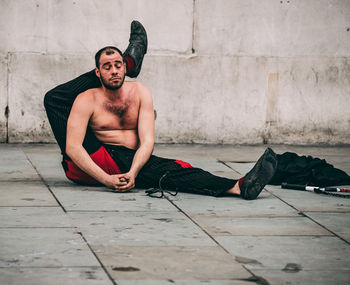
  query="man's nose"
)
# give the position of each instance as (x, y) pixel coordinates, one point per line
(114, 70)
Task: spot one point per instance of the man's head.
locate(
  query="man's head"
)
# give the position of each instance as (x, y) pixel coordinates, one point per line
(110, 67)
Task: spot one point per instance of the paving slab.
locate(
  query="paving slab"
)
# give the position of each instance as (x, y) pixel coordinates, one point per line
(168, 262)
(80, 198)
(241, 168)
(339, 223)
(208, 164)
(54, 276)
(309, 277)
(192, 151)
(48, 247)
(228, 174)
(140, 228)
(310, 201)
(142, 240)
(11, 152)
(31, 193)
(262, 226)
(275, 252)
(266, 205)
(19, 217)
(48, 164)
(17, 170)
(220, 152)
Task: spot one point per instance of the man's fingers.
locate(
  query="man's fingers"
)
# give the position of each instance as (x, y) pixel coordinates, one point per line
(123, 182)
(126, 187)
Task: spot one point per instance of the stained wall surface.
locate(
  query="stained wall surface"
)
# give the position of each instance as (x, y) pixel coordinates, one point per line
(221, 71)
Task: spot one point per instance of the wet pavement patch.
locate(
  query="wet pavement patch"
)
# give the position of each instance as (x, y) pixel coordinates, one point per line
(292, 267)
(90, 275)
(125, 269)
(246, 260)
(164, 220)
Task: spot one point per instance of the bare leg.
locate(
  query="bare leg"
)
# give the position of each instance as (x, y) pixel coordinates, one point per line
(234, 190)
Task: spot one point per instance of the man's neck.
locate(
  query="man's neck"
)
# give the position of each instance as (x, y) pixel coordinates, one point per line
(113, 95)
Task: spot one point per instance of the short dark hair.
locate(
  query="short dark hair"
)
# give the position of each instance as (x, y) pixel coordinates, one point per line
(109, 50)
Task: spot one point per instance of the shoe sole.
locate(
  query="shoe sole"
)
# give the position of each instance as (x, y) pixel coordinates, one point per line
(262, 172)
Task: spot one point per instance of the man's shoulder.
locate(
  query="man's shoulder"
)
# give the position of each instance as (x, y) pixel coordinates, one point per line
(136, 85)
(88, 95)
(139, 89)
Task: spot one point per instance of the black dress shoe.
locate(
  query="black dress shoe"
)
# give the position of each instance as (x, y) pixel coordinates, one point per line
(260, 175)
(137, 47)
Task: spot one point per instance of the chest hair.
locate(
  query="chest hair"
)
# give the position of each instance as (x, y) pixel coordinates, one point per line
(118, 110)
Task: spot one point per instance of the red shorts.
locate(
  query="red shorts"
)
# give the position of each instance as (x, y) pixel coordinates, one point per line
(102, 158)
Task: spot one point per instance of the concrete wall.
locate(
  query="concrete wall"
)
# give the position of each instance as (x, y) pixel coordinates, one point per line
(221, 71)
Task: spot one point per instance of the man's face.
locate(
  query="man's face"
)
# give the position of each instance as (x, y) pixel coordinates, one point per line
(111, 70)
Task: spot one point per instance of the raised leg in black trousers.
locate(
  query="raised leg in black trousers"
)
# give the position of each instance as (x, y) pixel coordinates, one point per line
(58, 101)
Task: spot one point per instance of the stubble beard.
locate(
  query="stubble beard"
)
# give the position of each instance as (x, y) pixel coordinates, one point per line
(109, 86)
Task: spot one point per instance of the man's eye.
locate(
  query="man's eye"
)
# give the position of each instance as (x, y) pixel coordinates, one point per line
(107, 67)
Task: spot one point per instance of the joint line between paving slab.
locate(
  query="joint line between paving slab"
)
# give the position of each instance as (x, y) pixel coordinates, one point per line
(202, 229)
(49, 267)
(255, 278)
(306, 216)
(28, 206)
(196, 224)
(99, 261)
(300, 212)
(334, 233)
(47, 185)
(234, 170)
(33, 227)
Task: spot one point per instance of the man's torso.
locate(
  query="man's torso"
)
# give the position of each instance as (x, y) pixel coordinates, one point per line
(115, 120)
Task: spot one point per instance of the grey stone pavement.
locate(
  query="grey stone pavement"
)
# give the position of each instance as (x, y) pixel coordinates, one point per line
(55, 232)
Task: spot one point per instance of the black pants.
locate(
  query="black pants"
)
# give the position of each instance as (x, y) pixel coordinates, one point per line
(58, 103)
(175, 175)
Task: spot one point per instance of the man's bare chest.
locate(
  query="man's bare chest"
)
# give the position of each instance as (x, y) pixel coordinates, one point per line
(115, 115)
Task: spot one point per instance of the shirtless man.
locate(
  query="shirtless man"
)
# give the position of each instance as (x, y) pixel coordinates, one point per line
(119, 113)
(110, 136)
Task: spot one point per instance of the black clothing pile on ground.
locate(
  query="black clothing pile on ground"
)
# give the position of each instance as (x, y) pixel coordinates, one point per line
(307, 170)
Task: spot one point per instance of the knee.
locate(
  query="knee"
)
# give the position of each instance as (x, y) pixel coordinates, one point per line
(49, 98)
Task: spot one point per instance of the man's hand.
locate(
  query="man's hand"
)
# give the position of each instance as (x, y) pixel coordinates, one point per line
(121, 182)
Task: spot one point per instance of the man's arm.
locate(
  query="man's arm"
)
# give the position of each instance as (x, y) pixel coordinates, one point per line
(78, 120)
(146, 138)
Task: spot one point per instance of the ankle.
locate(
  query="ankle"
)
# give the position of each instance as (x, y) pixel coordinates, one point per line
(236, 190)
